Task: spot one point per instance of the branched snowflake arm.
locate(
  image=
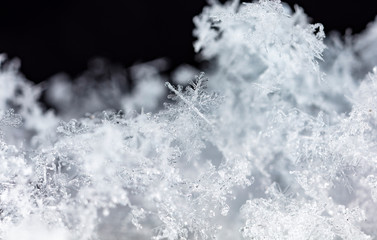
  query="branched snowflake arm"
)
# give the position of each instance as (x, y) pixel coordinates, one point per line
(196, 88)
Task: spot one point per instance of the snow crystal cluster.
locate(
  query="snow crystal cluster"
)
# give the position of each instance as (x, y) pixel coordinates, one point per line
(277, 140)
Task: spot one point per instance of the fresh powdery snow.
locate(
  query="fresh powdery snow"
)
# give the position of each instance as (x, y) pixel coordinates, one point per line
(276, 139)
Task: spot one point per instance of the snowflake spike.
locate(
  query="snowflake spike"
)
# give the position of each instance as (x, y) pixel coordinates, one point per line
(190, 105)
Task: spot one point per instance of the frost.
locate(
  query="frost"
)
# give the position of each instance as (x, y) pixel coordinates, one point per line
(282, 217)
(198, 101)
(9, 118)
(372, 182)
(277, 140)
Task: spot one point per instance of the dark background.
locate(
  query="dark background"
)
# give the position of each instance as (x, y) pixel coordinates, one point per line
(53, 36)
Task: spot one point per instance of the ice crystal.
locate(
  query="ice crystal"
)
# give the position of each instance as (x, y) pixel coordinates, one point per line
(277, 140)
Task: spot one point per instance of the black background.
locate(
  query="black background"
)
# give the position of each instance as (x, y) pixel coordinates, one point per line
(54, 36)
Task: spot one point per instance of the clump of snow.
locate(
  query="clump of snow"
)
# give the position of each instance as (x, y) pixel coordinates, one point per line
(277, 140)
